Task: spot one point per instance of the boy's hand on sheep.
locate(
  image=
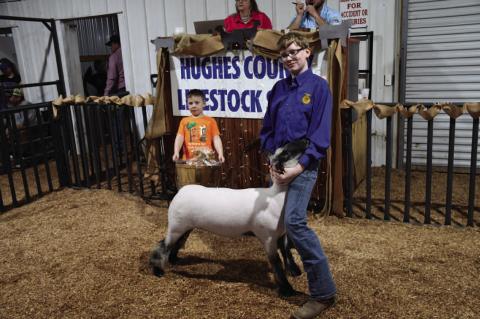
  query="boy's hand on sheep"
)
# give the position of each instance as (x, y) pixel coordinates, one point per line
(287, 176)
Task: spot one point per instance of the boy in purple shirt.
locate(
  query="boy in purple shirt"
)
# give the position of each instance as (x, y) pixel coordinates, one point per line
(300, 106)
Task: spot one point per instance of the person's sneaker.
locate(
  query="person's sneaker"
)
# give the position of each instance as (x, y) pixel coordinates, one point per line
(313, 308)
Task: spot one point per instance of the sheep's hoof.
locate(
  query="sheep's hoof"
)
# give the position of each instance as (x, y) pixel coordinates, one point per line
(293, 270)
(156, 263)
(286, 292)
(173, 259)
(157, 271)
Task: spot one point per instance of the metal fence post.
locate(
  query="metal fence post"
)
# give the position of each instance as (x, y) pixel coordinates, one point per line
(428, 178)
(61, 157)
(368, 205)
(388, 173)
(408, 171)
(451, 155)
(473, 173)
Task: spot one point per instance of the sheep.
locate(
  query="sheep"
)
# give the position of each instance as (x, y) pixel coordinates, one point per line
(233, 213)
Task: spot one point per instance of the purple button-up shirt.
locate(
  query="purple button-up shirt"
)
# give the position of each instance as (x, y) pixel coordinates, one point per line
(299, 108)
(115, 77)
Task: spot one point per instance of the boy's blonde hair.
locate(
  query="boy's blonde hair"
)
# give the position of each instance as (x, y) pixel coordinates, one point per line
(292, 37)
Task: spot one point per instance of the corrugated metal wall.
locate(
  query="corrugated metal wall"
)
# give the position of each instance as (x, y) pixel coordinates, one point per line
(142, 20)
(443, 64)
(94, 32)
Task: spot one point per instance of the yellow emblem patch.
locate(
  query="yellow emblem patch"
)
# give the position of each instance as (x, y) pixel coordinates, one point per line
(306, 99)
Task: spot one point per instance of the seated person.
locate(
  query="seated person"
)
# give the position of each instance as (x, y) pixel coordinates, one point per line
(313, 14)
(95, 80)
(17, 99)
(197, 132)
(8, 79)
(247, 13)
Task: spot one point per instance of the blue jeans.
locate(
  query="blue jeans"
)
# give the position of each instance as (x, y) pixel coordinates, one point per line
(315, 263)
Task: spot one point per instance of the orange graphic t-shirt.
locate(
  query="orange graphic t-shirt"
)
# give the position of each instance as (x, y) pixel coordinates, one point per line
(198, 133)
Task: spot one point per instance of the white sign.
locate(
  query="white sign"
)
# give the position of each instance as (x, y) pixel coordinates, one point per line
(355, 11)
(235, 85)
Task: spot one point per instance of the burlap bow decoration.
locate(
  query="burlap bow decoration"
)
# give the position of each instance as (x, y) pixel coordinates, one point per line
(429, 113)
(128, 100)
(265, 42)
(360, 107)
(384, 111)
(197, 45)
(409, 111)
(473, 109)
(452, 110)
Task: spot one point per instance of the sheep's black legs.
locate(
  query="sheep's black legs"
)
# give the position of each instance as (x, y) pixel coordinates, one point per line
(285, 244)
(164, 252)
(284, 287)
(172, 258)
(158, 258)
(270, 244)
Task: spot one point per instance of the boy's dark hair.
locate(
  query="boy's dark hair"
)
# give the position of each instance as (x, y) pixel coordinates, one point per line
(196, 92)
(6, 63)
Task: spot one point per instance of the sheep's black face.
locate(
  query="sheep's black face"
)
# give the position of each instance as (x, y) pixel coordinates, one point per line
(288, 155)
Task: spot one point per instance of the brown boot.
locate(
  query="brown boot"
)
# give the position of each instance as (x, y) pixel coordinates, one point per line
(313, 308)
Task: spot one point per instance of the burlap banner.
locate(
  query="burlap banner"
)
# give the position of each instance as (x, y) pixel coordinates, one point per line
(264, 43)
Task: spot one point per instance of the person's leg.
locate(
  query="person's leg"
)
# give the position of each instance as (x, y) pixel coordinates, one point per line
(320, 280)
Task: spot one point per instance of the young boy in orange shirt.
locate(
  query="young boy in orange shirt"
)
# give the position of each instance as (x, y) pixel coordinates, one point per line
(197, 132)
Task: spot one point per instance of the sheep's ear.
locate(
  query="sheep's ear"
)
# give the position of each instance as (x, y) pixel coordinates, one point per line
(303, 143)
(296, 145)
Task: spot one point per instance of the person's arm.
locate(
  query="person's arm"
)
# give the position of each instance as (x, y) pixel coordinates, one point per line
(331, 16)
(318, 134)
(314, 13)
(111, 75)
(288, 175)
(177, 146)
(266, 133)
(265, 22)
(297, 21)
(228, 24)
(319, 129)
(217, 143)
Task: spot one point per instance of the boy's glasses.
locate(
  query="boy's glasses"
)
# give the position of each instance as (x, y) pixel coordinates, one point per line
(290, 53)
